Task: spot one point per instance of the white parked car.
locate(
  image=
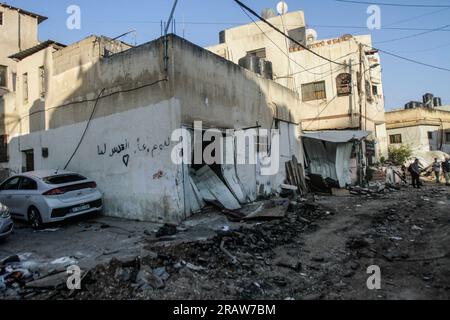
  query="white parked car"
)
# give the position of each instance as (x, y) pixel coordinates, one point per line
(41, 197)
(6, 224)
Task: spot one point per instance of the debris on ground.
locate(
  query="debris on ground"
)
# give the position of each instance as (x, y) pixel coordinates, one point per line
(317, 247)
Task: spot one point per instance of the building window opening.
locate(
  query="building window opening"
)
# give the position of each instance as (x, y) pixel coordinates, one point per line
(28, 160)
(314, 91)
(260, 53)
(395, 138)
(344, 84)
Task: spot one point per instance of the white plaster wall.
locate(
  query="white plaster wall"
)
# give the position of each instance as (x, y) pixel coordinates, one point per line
(417, 137)
(140, 182)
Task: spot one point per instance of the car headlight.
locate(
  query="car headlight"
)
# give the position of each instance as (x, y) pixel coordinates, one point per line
(4, 213)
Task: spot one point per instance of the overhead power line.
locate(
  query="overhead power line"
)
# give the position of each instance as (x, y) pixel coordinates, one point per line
(416, 17)
(413, 35)
(409, 59)
(277, 46)
(285, 35)
(332, 61)
(396, 4)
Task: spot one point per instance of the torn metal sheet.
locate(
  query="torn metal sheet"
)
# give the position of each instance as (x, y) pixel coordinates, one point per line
(270, 209)
(213, 189)
(229, 172)
(232, 181)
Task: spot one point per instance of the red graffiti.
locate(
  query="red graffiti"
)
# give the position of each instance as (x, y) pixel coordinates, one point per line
(158, 175)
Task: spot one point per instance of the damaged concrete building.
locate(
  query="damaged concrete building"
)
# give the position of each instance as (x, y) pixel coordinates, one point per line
(108, 110)
(132, 99)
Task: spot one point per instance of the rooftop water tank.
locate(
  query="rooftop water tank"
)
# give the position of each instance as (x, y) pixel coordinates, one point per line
(266, 69)
(251, 62)
(428, 100)
(437, 102)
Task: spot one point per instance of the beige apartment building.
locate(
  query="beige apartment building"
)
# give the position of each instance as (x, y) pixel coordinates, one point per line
(423, 129)
(344, 94)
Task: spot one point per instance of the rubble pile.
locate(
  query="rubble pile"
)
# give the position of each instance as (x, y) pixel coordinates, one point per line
(242, 254)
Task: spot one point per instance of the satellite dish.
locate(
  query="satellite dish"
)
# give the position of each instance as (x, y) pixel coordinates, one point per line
(311, 35)
(282, 8)
(268, 13)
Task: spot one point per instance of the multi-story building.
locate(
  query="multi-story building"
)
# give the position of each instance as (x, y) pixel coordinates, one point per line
(424, 126)
(340, 86)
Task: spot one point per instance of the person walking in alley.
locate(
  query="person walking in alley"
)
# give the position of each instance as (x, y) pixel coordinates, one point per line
(446, 171)
(414, 170)
(437, 170)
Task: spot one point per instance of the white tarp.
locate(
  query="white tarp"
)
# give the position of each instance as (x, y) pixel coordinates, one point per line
(329, 153)
(337, 136)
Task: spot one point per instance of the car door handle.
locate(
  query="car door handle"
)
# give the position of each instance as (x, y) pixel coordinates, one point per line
(8, 197)
(27, 197)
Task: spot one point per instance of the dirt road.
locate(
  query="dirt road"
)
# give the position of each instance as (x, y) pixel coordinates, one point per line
(320, 250)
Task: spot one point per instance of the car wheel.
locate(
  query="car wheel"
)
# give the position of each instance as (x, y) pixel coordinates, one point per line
(34, 218)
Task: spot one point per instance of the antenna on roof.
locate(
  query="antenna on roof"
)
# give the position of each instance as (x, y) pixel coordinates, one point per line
(282, 8)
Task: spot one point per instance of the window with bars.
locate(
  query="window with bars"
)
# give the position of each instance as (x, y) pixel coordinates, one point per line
(344, 84)
(314, 91)
(395, 138)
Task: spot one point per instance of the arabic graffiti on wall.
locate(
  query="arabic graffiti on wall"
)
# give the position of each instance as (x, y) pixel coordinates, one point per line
(124, 149)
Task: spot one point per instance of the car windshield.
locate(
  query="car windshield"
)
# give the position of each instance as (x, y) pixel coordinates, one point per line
(64, 178)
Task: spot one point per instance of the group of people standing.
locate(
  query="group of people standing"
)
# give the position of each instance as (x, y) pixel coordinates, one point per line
(443, 167)
(439, 168)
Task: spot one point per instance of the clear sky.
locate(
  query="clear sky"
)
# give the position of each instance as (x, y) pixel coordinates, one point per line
(203, 19)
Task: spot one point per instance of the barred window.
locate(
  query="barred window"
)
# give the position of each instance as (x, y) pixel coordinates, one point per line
(395, 138)
(314, 91)
(344, 84)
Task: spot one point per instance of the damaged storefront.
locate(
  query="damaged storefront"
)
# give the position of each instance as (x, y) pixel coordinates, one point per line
(231, 168)
(335, 159)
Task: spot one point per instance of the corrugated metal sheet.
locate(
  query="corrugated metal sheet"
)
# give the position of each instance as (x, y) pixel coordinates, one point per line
(337, 136)
(213, 189)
